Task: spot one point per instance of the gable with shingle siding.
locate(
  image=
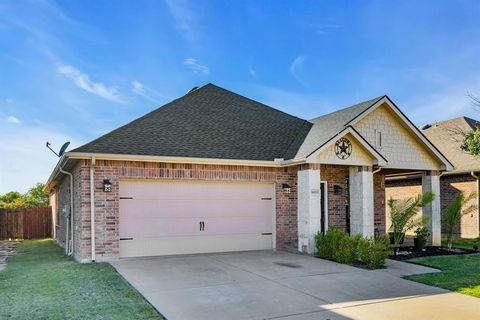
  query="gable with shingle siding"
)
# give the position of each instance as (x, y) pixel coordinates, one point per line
(401, 148)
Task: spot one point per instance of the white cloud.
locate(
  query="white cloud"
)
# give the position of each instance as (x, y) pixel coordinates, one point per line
(137, 87)
(451, 102)
(83, 81)
(252, 72)
(12, 119)
(26, 160)
(140, 89)
(305, 106)
(296, 66)
(184, 17)
(195, 66)
(9, 100)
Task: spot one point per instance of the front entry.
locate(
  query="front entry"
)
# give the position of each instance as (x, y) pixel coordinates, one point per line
(323, 207)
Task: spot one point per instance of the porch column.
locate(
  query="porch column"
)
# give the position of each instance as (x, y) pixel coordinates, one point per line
(431, 182)
(308, 213)
(361, 201)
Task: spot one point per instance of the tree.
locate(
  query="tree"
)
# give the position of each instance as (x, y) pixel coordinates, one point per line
(402, 215)
(455, 210)
(471, 141)
(35, 197)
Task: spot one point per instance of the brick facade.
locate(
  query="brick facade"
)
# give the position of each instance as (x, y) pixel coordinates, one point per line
(450, 187)
(107, 203)
(337, 203)
(379, 203)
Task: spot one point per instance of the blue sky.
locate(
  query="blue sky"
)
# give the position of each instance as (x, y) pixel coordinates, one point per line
(73, 70)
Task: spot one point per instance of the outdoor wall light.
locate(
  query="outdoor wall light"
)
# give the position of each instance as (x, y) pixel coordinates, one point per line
(107, 185)
(286, 188)
(337, 190)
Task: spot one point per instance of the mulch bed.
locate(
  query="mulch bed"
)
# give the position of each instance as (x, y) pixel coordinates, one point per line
(406, 253)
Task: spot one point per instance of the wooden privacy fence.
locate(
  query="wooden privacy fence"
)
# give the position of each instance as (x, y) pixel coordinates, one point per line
(25, 223)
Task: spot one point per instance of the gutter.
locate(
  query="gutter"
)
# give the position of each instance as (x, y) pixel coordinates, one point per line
(69, 243)
(92, 207)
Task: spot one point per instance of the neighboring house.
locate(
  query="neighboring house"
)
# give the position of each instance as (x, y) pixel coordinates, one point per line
(213, 171)
(447, 136)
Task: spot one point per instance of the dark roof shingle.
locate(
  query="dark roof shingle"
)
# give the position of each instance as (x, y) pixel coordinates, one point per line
(209, 122)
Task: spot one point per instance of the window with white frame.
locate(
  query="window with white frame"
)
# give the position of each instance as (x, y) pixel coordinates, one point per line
(378, 139)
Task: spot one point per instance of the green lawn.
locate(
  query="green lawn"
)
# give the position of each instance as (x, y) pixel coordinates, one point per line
(42, 283)
(459, 273)
(464, 243)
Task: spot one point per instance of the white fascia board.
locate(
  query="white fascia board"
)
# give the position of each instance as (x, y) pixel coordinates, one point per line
(128, 157)
(446, 164)
(378, 158)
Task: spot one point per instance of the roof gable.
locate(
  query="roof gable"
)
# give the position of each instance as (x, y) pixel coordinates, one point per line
(209, 122)
(448, 136)
(327, 127)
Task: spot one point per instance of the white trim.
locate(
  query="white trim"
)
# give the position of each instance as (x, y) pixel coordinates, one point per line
(446, 164)
(325, 225)
(274, 217)
(128, 157)
(378, 158)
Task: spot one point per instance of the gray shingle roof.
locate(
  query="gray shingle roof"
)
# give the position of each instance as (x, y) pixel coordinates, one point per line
(209, 122)
(327, 126)
(448, 135)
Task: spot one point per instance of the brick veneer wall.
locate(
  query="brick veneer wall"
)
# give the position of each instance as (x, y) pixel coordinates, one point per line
(450, 187)
(107, 203)
(379, 203)
(336, 175)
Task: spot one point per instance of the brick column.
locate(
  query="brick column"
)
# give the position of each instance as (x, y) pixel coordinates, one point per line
(308, 213)
(361, 201)
(431, 182)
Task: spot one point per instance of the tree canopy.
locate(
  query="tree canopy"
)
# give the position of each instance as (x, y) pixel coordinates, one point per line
(35, 197)
(471, 141)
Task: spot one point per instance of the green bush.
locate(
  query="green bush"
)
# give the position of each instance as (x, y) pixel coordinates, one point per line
(373, 251)
(339, 246)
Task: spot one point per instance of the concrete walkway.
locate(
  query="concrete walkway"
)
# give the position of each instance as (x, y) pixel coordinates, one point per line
(279, 285)
(7, 250)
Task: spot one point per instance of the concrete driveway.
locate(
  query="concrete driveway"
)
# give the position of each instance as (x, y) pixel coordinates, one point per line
(280, 285)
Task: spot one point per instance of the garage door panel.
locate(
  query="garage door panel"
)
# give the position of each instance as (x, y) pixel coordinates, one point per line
(165, 227)
(206, 244)
(162, 217)
(194, 208)
(193, 190)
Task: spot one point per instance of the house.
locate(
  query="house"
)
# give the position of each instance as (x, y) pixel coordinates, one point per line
(447, 136)
(214, 171)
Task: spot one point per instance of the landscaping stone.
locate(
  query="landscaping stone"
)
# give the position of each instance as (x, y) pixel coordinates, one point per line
(7, 250)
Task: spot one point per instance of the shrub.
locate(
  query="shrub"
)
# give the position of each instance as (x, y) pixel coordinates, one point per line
(373, 251)
(339, 246)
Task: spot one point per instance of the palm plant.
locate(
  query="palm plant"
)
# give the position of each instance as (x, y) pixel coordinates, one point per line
(455, 210)
(402, 215)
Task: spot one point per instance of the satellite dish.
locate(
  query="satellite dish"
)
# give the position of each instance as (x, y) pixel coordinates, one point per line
(63, 148)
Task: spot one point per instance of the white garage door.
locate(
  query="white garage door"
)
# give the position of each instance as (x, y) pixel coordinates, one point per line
(165, 218)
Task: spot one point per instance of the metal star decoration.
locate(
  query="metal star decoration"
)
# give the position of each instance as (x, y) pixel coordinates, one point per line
(343, 148)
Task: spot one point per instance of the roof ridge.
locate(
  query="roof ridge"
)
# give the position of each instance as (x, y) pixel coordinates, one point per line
(373, 101)
(253, 100)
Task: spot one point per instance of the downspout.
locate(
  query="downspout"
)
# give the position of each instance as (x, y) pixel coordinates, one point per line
(69, 246)
(92, 208)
